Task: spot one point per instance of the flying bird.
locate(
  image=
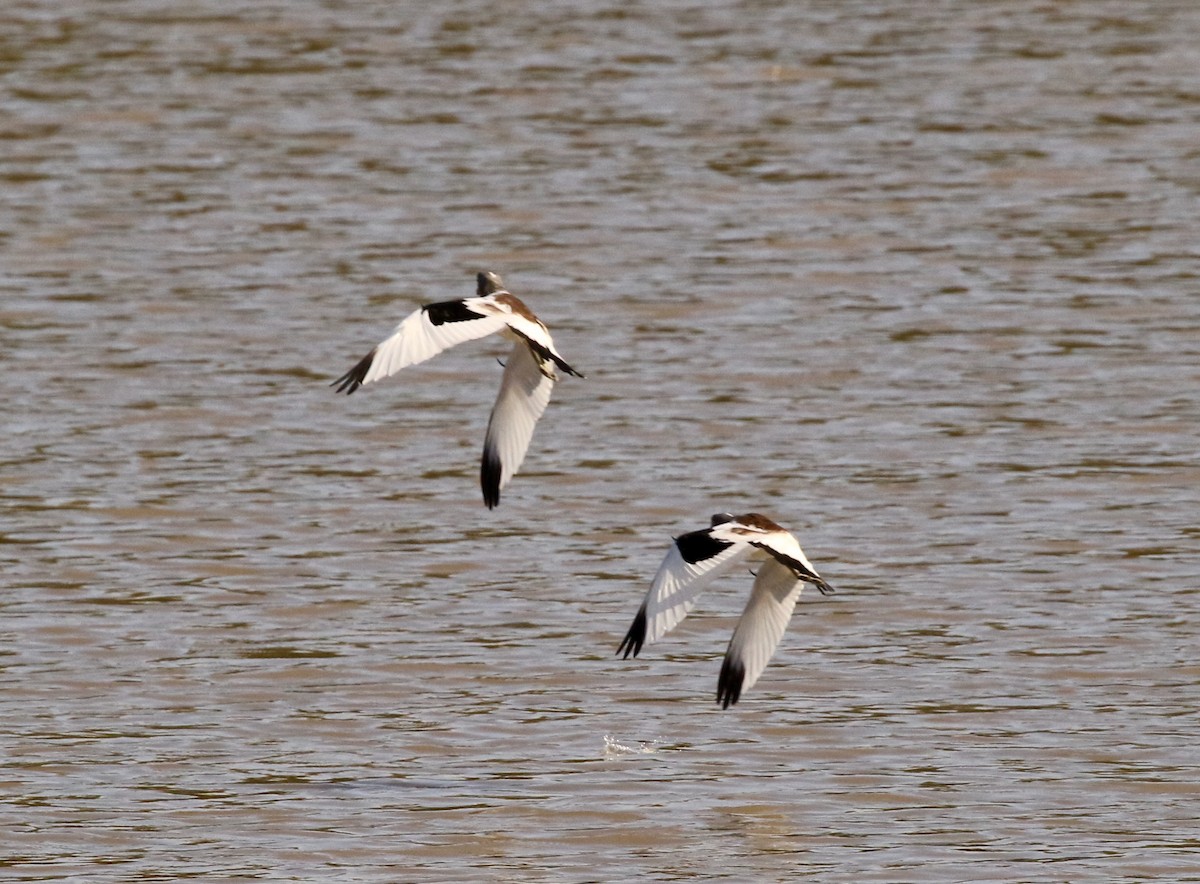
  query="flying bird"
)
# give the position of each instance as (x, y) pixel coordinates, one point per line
(528, 374)
(691, 564)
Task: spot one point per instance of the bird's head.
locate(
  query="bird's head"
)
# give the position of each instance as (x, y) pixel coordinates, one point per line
(488, 283)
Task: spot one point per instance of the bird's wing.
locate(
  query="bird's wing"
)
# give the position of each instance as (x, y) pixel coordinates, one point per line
(524, 394)
(538, 337)
(525, 325)
(759, 630)
(422, 335)
(785, 549)
(692, 562)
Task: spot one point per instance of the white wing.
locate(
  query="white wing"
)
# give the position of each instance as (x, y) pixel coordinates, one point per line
(525, 325)
(759, 630)
(524, 394)
(422, 335)
(691, 564)
(763, 534)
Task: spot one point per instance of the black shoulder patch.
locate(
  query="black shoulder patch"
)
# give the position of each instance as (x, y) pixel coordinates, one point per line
(729, 683)
(698, 546)
(450, 311)
(489, 477)
(636, 637)
(352, 380)
(544, 355)
(796, 565)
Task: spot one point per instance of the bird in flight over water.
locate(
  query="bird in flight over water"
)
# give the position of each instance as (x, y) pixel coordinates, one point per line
(528, 374)
(697, 557)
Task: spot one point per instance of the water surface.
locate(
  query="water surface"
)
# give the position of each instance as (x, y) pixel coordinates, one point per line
(919, 284)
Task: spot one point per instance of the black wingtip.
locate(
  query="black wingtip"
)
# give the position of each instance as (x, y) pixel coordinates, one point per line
(636, 637)
(489, 478)
(729, 683)
(353, 379)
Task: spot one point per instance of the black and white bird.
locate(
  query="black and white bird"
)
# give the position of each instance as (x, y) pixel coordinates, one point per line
(691, 564)
(528, 374)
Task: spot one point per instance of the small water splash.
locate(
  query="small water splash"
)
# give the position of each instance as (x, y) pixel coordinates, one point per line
(614, 747)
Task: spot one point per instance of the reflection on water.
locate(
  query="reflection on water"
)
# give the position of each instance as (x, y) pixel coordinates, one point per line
(918, 285)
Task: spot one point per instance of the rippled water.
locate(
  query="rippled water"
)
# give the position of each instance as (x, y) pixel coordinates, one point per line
(917, 281)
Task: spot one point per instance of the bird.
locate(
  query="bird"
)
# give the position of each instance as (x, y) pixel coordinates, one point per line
(525, 386)
(697, 557)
